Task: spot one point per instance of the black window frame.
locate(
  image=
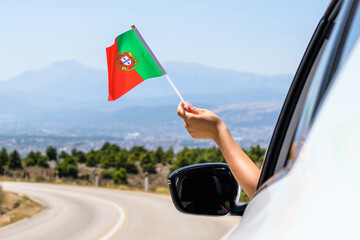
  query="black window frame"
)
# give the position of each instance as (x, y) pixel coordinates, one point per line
(281, 129)
(339, 50)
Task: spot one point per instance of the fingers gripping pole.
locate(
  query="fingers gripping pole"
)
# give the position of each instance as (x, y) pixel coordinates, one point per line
(175, 89)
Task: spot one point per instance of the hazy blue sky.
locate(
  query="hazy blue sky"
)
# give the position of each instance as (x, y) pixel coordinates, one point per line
(265, 37)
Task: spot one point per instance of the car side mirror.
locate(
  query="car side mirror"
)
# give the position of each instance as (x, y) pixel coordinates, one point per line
(206, 189)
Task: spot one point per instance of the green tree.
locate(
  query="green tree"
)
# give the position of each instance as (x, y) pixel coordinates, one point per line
(212, 155)
(42, 161)
(62, 169)
(91, 160)
(114, 149)
(169, 155)
(131, 167)
(35, 158)
(107, 174)
(51, 153)
(31, 159)
(186, 157)
(4, 158)
(74, 152)
(137, 151)
(120, 176)
(105, 146)
(196, 156)
(147, 163)
(256, 154)
(121, 159)
(14, 160)
(63, 154)
(81, 157)
(68, 167)
(70, 159)
(125, 160)
(107, 160)
(72, 170)
(159, 155)
(243, 197)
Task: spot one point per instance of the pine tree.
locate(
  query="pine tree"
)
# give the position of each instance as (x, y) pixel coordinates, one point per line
(14, 160)
(169, 155)
(147, 163)
(31, 159)
(4, 158)
(159, 155)
(120, 176)
(51, 153)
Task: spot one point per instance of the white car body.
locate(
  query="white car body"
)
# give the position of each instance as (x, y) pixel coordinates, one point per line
(319, 197)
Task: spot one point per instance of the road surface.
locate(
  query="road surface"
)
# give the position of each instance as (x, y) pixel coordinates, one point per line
(73, 212)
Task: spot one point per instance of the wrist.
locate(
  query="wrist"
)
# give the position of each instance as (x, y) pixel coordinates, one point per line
(221, 129)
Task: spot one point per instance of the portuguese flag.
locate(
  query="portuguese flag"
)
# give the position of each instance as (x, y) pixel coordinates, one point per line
(130, 62)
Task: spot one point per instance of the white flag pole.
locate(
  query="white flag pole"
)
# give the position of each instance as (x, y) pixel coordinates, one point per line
(156, 61)
(175, 89)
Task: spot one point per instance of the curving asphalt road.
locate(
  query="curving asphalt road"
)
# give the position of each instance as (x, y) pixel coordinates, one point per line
(73, 212)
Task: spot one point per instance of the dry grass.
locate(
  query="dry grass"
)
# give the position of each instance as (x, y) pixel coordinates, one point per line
(162, 190)
(16, 207)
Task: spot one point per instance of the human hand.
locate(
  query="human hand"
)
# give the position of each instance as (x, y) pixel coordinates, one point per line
(200, 123)
(204, 124)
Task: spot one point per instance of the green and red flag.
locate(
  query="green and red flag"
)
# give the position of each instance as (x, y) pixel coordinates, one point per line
(130, 62)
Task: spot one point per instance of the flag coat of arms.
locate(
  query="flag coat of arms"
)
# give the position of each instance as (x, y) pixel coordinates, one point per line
(130, 62)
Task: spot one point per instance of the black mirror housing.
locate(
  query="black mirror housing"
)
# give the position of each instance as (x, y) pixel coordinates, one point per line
(206, 189)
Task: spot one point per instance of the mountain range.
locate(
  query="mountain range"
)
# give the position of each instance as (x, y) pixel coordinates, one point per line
(70, 99)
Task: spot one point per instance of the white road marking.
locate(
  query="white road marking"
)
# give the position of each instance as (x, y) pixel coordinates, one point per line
(119, 223)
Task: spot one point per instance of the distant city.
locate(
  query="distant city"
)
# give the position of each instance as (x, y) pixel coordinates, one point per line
(65, 105)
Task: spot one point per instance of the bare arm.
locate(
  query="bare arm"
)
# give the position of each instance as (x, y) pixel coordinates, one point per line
(203, 124)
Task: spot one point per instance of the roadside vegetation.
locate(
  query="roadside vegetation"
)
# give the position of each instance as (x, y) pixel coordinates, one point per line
(15, 207)
(110, 165)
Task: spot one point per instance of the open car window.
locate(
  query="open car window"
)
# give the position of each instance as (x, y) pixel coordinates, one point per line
(304, 79)
(331, 62)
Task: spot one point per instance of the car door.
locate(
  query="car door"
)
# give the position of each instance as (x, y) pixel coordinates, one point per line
(279, 146)
(282, 191)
